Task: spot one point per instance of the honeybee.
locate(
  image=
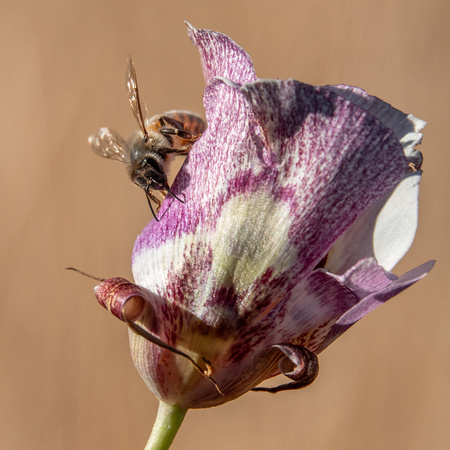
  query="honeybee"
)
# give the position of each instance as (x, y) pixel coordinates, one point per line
(146, 152)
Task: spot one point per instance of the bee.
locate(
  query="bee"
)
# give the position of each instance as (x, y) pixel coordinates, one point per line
(146, 152)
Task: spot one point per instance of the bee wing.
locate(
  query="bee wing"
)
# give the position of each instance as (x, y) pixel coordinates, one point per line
(133, 95)
(109, 144)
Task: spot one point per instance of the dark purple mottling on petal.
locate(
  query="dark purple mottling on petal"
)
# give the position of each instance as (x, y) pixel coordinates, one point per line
(327, 151)
(304, 306)
(332, 161)
(339, 158)
(282, 171)
(406, 127)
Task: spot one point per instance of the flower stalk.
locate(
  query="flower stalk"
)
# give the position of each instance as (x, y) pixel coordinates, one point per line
(167, 424)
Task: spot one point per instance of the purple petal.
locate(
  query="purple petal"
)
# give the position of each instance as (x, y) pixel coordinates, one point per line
(363, 279)
(235, 284)
(405, 126)
(222, 57)
(284, 204)
(283, 315)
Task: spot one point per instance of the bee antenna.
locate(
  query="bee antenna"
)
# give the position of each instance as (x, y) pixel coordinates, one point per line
(173, 195)
(150, 203)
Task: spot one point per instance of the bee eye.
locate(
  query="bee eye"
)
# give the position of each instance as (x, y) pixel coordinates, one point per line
(152, 163)
(141, 182)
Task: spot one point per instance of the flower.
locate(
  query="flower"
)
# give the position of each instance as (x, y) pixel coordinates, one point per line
(299, 200)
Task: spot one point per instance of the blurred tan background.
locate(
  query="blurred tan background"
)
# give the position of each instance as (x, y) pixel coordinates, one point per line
(66, 377)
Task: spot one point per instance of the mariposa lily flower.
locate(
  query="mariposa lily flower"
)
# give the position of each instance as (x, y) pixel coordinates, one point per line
(298, 202)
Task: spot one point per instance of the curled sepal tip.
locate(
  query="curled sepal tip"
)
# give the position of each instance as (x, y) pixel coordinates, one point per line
(298, 364)
(129, 303)
(122, 298)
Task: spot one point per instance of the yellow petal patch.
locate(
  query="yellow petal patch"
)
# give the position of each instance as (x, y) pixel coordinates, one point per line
(251, 236)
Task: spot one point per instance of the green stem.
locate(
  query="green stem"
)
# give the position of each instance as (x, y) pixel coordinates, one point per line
(166, 426)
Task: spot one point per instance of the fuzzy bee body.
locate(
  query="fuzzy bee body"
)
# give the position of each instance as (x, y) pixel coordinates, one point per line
(147, 150)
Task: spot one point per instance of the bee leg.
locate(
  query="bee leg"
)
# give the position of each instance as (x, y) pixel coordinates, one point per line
(156, 200)
(166, 120)
(176, 128)
(183, 134)
(150, 196)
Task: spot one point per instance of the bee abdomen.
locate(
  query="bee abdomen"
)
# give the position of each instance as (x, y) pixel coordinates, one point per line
(192, 122)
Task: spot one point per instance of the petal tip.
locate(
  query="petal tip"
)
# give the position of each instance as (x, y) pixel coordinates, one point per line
(428, 266)
(193, 33)
(191, 29)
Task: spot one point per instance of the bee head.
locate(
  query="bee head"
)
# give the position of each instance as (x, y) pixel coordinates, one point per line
(148, 173)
